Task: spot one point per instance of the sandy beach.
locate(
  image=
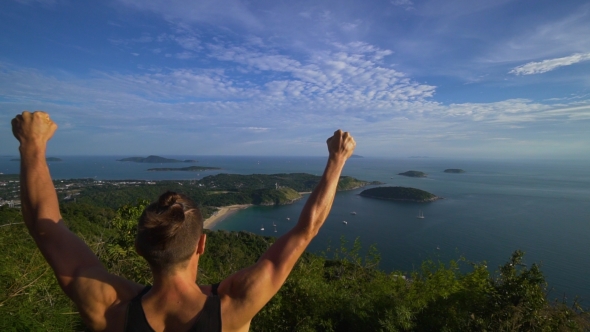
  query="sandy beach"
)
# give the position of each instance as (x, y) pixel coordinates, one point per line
(223, 213)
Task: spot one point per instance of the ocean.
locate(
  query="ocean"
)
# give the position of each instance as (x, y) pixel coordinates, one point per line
(496, 207)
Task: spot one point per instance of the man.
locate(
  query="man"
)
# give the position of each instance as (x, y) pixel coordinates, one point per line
(108, 302)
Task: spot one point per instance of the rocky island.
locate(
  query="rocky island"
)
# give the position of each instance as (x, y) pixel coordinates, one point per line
(185, 169)
(454, 170)
(400, 194)
(414, 174)
(155, 160)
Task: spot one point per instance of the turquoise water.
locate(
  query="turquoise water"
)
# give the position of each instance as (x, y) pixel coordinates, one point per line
(542, 208)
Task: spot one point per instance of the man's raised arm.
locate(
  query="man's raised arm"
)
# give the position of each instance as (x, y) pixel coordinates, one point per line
(250, 289)
(64, 251)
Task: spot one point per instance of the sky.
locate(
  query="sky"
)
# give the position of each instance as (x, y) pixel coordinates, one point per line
(438, 78)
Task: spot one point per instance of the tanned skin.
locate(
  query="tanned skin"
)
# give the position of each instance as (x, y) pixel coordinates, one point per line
(175, 300)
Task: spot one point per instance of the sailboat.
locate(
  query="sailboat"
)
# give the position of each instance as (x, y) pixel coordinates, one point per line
(262, 228)
(420, 215)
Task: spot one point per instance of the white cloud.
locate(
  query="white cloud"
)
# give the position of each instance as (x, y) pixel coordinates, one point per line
(203, 11)
(184, 55)
(406, 4)
(256, 129)
(549, 65)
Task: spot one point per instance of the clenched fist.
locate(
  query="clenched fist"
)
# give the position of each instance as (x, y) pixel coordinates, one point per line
(33, 128)
(341, 145)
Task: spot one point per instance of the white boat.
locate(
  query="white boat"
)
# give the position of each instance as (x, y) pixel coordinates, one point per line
(262, 228)
(288, 218)
(275, 228)
(420, 215)
(353, 213)
(344, 222)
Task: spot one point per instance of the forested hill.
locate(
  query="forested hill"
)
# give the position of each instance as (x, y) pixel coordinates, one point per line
(210, 192)
(343, 290)
(301, 182)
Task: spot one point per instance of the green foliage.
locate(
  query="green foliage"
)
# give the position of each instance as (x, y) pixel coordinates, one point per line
(30, 298)
(341, 290)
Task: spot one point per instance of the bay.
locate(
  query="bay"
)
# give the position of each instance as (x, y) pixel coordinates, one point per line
(540, 207)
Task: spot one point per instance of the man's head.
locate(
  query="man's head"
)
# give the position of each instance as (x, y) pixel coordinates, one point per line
(168, 232)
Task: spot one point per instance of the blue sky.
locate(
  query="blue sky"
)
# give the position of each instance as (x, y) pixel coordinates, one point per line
(456, 78)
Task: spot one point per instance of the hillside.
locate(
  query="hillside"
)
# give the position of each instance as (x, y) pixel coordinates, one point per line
(345, 291)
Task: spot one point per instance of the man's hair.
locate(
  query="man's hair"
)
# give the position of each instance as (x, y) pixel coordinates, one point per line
(168, 231)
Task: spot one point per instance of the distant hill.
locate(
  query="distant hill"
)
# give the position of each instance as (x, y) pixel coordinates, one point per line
(414, 174)
(155, 160)
(186, 169)
(454, 170)
(356, 156)
(400, 194)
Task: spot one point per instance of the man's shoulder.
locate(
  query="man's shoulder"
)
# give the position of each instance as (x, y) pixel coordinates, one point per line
(105, 299)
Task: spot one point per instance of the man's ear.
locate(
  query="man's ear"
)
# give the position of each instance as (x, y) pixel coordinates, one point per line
(201, 244)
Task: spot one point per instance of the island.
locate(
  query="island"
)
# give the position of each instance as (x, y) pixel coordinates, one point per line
(356, 156)
(400, 194)
(46, 159)
(185, 169)
(414, 174)
(454, 170)
(155, 160)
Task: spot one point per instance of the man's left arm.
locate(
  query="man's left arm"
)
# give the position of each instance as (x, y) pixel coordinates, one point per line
(75, 266)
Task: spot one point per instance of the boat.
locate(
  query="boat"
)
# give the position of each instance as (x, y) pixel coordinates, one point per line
(262, 228)
(288, 218)
(275, 228)
(344, 222)
(353, 213)
(420, 215)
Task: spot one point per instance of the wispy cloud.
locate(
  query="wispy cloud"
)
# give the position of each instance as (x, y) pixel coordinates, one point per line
(229, 12)
(549, 64)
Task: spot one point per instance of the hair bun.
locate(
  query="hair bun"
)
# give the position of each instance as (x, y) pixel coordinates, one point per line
(168, 199)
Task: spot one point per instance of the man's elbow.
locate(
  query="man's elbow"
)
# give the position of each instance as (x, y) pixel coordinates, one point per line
(307, 233)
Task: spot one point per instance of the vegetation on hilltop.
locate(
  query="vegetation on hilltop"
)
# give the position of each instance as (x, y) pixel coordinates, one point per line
(341, 290)
(400, 194)
(301, 182)
(210, 192)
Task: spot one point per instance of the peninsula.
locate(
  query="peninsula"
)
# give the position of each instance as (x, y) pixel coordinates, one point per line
(400, 194)
(414, 174)
(155, 160)
(454, 170)
(185, 169)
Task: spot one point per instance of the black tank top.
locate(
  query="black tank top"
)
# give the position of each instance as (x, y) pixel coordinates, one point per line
(209, 319)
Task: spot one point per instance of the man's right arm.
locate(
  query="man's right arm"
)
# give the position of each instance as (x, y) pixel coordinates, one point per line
(251, 288)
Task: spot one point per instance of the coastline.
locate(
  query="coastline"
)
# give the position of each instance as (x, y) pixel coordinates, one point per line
(222, 213)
